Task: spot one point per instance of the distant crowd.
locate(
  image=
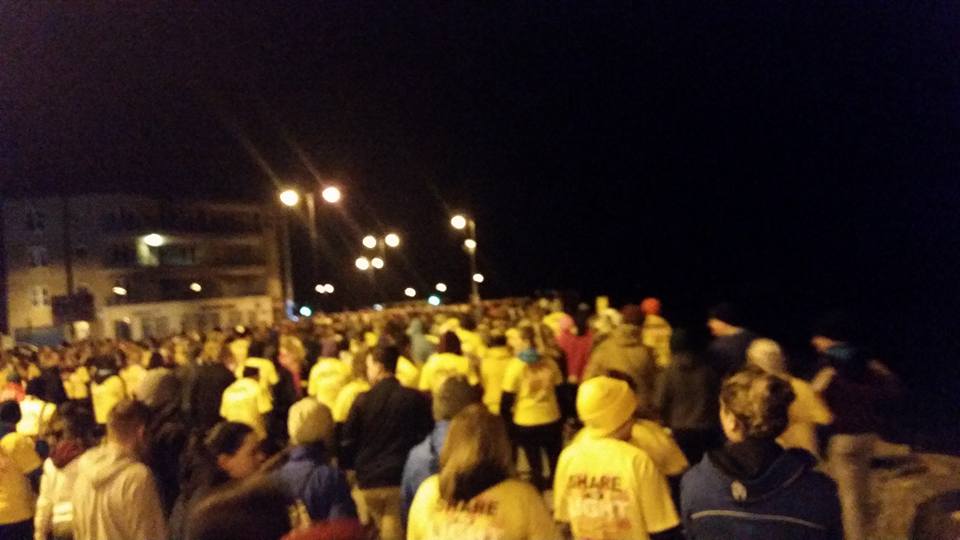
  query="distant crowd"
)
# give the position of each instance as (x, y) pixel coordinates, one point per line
(510, 420)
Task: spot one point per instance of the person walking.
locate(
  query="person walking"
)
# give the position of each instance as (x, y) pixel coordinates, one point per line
(625, 352)
(19, 472)
(383, 425)
(474, 496)
(752, 487)
(114, 495)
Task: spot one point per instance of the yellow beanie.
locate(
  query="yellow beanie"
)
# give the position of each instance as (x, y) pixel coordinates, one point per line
(604, 404)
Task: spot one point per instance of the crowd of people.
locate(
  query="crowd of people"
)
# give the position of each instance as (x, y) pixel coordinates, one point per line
(510, 420)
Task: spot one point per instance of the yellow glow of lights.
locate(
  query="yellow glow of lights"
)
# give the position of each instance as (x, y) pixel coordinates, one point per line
(470, 244)
(331, 194)
(289, 197)
(363, 263)
(119, 291)
(377, 263)
(441, 287)
(153, 240)
(458, 222)
(478, 278)
(196, 287)
(392, 240)
(369, 241)
(410, 291)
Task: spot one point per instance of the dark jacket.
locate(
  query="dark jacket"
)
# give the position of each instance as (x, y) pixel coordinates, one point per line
(858, 391)
(308, 476)
(687, 394)
(383, 425)
(204, 387)
(727, 354)
(755, 489)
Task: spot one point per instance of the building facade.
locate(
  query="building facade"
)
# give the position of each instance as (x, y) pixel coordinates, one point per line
(136, 267)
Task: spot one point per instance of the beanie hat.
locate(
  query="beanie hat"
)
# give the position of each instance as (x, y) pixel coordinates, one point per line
(452, 396)
(650, 306)
(309, 421)
(632, 314)
(604, 404)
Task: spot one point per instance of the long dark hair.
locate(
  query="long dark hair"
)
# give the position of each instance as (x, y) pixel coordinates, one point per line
(201, 469)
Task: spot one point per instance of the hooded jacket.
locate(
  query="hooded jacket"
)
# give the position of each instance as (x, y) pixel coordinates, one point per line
(420, 348)
(625, 352)
(755, 489)
(687, 394)
(115, 497)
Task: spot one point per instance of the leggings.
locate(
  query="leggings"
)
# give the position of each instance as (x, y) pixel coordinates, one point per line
(547, 438)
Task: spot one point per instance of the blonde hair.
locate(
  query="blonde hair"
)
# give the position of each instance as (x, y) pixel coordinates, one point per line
(759, 401)
(767, 355)
(475, 456)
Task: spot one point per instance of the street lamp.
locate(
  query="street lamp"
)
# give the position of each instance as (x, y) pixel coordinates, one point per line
(153, 240)
(461, 223)
(196, 287)
(410, 291)
(377, 263)
(119, 291)
(290, 197)
(392, 240)
(331, 194)
(441, 287)
(478, 278)
(369, 241)
(329, 288)
(363, 263)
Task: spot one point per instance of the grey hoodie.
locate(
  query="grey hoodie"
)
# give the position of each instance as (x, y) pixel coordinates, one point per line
(115, 497)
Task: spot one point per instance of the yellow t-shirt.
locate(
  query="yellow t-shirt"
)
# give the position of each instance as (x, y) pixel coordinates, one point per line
(327, 377)
(246, 401)
(656, 333)
(609, 489)
(132, 375)
(106, 395)
(35, 413)
(17, 459)
(76, 384)
(348, 394)
(439, 366)
(510, 510)
(408, 373)
(656, 441)
(492, 369)
(535, 386)
(268, 372)
(806, 412)
(471, 343)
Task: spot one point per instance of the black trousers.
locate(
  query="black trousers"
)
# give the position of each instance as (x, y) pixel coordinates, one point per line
(546, 438)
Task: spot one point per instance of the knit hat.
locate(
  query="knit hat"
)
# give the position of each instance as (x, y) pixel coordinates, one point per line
(633, 314)
(454, 394)
(309, 421)
(650, 306)
(604, 404)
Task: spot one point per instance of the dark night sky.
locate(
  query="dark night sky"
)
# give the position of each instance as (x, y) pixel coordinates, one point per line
(789, 154)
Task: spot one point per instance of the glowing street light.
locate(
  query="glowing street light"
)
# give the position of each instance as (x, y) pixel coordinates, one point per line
(289, 197)
(433, 300)
(369, 241)
(392, 240)
(478, 278)
(441, 287)
(329, 288)
(322, 289)
(153, 240)
(331, 194)
(306, 311)
(196, 287)
(458, 222)
(470, 244)
(363, 263)
(119, 291)
(410, 291)
(377, 263)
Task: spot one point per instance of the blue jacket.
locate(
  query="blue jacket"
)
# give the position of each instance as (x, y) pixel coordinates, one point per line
(789, 500)
(422, 462)
(306, 476)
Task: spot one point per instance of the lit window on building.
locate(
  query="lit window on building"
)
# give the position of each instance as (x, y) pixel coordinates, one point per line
(39, 296)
